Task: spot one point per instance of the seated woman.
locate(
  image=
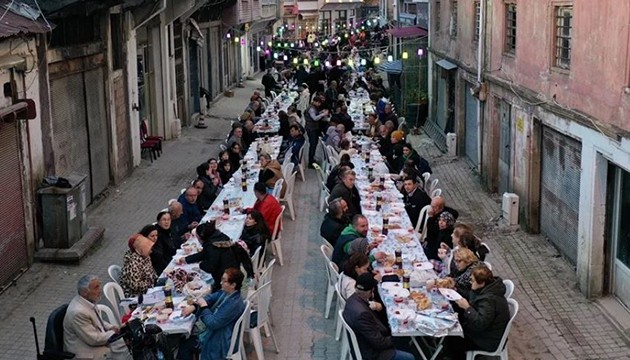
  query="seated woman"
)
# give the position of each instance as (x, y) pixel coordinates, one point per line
(219, 312)
(218, 253)
(484, 314)
(283, 117)
(210, 190)
(255, 233)
(459, 280)
(446, 221)
(409, 154)
(235, 156)
(357, 264)
(166, 245)
(225, 171)
(270, 172)
(214, 170)
(463, 237)
(344, 148)
(137, 274)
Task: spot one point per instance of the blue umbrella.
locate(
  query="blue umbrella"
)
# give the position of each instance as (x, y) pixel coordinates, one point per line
(392, 67)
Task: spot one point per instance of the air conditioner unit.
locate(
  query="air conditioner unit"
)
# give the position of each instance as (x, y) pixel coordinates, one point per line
(510, 208)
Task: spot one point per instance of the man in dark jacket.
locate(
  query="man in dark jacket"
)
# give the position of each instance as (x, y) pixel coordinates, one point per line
(374, 338)
(335, 221)
(356, 230)
(191, 215)
(414, 198)
(347, 191)
(269, 82)
(433, 228)
(484, 316)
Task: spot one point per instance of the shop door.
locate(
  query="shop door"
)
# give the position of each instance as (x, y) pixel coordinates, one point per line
(619, 230)
(440, 113)
(560, 191)
(13, 254)
(471, 126)
(215, 62)
(505, 146)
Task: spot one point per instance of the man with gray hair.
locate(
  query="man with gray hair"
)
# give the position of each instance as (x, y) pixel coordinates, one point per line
(335, 221)
(85, 333)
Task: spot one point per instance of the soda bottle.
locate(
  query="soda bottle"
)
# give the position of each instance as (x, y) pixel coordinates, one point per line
(385, 225)
(226, 206)
(168, 297)
(379, 202)
(244, 183)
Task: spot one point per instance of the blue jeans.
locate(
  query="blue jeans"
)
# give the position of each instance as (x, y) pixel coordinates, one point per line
(403, 355)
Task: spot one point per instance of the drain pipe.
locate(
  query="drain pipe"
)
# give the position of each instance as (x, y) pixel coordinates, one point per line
(482, 9)
(156, 13)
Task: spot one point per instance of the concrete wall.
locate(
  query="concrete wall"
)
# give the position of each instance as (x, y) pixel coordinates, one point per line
(462, 47)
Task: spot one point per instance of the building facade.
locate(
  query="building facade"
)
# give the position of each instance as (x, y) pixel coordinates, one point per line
(554, 125)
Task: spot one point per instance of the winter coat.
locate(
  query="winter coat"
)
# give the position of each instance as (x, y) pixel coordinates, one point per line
(462, 280)
(374, 339)
(351, 196)
(332, 227)
(137, 274)
(270, 208)
(484, 322)
(270, 174)
(341, 252)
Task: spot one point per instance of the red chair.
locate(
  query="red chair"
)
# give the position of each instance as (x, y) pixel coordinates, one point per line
(150, 144)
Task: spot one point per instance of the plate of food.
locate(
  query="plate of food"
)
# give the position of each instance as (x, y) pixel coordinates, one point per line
(421, 299)
(389, 286)
(423, 266)
(450, 294)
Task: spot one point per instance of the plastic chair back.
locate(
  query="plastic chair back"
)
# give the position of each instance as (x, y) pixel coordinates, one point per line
(333, 273)
(288, 194)
(113, 293)
(433, 185)
(107, 311)
(262, 299)
(114, 272)
(277, 225)
(326, 251)
(422, 221)
(265, 277)
(353, 338)
(277, 188)
(502, 348)
(509, 288)
(436, 193)
(236, 341)
(287, 169)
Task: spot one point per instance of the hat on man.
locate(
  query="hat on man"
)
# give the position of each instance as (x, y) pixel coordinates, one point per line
(365, 282)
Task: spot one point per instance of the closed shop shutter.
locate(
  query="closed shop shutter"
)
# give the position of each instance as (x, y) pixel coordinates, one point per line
(97, 130)
(215, 62)
(471, 126)
(13, 254)
(560, 191)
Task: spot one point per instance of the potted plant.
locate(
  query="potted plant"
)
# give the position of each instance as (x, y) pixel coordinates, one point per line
(417, 105)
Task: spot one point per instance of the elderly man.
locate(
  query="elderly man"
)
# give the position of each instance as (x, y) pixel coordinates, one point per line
(314, 117)
(85, 333)
(191, 214)
(357, 230)
(414, 199)
(335, 221)
(335, 134)
(267, 205)
(374, 338)
(347, 191)
(237, 136)
(383, 140)
(433, 227)
(373, 125)
(178, 230)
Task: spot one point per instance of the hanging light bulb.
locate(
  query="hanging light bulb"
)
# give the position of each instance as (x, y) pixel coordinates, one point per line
(350, 62)
(338, 62)
(363, 62)
(316, 62)
(390, 58)
(258, 48)
(420, 52)
(295, 61)
(327, 63)
(228, 35)
(345, 35)
(270, 44)
(243, 41)
(267, 52)
(405, 55)
(285, 44)
(275, 56)
(377, 60)
(305, 62)
(236, 39)
(316, 45)
(285, 58)
(292, 45)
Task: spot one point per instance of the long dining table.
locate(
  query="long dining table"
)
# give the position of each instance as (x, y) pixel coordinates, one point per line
(231, 224)
(412, 310)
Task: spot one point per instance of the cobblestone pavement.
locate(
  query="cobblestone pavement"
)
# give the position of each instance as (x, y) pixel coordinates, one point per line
(554, 322)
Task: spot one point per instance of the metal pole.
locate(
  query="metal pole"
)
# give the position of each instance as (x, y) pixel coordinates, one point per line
(482, 6)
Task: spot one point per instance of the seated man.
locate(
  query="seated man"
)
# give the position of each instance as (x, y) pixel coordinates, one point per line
(295, 144)
(356, 230)
(179, 232)
(414, 198)
(373, 337)
(191, 215)
(335, 221)
(267, 205)
(347, 191)
(85, 333)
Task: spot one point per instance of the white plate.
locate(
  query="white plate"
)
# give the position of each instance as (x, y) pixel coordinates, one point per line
(404, 314)
(400, 292)
(450, 294)
(423, 266)
(389, 286)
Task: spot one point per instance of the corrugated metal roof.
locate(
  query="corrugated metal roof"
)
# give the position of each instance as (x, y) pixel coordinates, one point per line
(12, 22)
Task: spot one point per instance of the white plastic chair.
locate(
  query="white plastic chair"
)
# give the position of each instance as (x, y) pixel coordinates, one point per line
(333, 278)
(109, 314)
(509, 288)
(114, 272)
(113, 293)
(436, 193)
(287, 169)
(277, 188)
(265, 277)
(488, 265)
(425, 177)
(303, 160)
(422, 220)
(262, 299)
(341, 304)
(276, 247)
(324, 190)
(326, 251)
(332, 154)
(288, 195)
(352, 342)
(236, 351)
(258, 262)
(502, 349)
(329, 247)
(287, 158)
(273, 94)
(432, 186)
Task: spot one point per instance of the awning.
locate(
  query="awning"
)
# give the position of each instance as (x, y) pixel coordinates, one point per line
(392, 67)
(291, 9)
(446, 65)
(407, 32)
(21, 20)
(339, 6)
(259, 26)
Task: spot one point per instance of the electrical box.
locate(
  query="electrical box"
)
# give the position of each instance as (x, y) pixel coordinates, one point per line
(510, 208)
(63, 213)
(451, 144)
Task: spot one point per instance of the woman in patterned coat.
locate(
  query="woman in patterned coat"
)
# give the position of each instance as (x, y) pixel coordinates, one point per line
(137, 274)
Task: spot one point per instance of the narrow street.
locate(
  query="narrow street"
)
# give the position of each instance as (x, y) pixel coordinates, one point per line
(555, 321)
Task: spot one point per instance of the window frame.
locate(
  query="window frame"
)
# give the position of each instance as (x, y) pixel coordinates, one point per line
(509, 38)
(560, 60)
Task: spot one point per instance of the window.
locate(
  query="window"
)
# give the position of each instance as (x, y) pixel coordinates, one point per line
(477, 21)
(563, 21)
(342, 17)
(116, 25)
(453, 19)
(510, 28)
(436, 16)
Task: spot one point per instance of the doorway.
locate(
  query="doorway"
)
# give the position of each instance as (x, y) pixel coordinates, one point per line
(618, 213)
(505, 148)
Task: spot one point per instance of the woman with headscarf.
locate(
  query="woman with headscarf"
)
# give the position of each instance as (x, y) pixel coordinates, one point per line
(218, 253)
(137, 274)
(167, 243)
(446, 221)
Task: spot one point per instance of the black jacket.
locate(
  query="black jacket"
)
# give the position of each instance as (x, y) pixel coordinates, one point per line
(209, 193)
(254, 239)
(433, 233)
(374, 338)
(351, 196)
(163, 250)
(332, 227)
(415, 203)
(485, 320)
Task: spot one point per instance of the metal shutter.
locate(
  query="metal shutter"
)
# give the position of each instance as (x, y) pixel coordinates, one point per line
(97, 131)
(13, 255)
(560, 191)
(70, 137)
(471, 126)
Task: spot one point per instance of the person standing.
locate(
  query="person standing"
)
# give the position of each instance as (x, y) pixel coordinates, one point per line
(314, 117)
